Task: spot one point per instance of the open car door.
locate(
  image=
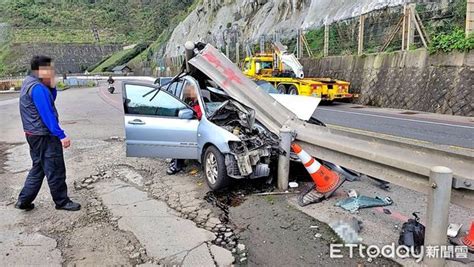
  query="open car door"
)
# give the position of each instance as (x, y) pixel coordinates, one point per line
(164, 127)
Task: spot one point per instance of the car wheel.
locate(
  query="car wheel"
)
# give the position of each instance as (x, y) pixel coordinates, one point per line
(215, 169)
(281, 89)
(293, 90)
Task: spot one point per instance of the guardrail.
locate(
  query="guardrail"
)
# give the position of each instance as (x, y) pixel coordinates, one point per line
(398, 161)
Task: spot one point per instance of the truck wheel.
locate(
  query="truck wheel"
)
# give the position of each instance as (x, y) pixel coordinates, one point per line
(293, 90)
(281, 89)
(215, 169)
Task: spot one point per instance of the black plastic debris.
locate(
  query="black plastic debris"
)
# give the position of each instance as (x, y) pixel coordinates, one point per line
(412, 234)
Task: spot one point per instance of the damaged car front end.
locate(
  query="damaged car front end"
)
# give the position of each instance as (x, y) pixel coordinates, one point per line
(252, 155)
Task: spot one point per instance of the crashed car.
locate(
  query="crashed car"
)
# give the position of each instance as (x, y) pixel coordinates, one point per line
(227, 139)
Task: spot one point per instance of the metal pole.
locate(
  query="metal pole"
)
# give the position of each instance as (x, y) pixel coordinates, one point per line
(410, 27)
(284, 160)
(404, 29)
(237, 52)
(326, 40)
(441, 180)
(360, 47)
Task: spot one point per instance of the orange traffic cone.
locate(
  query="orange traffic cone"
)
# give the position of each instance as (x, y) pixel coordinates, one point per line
(326, 181)
(468, 240)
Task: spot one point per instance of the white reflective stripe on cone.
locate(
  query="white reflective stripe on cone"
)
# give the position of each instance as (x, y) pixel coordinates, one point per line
(304, 157)
(314, 167)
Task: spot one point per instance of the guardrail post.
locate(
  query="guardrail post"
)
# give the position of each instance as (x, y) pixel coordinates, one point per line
(441, 179)
(284, 160)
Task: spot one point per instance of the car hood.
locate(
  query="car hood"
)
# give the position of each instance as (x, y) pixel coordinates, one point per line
(302, 106)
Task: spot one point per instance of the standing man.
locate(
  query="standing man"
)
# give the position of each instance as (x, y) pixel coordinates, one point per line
(44, 136)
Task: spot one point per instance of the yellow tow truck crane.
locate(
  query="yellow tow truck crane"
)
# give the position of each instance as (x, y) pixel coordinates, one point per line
(285, 72)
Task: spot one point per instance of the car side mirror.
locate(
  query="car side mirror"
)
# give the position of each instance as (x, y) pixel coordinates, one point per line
(186, 114)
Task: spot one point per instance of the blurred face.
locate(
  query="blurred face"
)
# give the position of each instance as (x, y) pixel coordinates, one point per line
(190, 92)
(46, 75)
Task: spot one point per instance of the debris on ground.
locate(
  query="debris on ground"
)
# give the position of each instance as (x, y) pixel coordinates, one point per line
(453, 229)
(348, 174)
(467, 241)
(381, 183)
(293, 184)
(387, 211)
(353, 204)
(348, 231)
(412, 234)
(87, 182)
(194, 171)
(352, 193)
(276, 193)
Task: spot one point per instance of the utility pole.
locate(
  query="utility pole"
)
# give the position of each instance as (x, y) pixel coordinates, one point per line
(469, 18)
(360, 46)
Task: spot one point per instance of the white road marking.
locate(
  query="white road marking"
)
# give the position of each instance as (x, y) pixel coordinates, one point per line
(395, 118)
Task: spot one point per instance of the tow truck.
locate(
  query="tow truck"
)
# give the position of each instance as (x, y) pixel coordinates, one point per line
(284, 71)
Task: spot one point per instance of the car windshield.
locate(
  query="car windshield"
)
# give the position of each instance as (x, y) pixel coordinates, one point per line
(164, 81)
(268, 87)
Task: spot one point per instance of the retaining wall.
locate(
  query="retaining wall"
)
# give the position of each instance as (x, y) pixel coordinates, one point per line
(414, 80)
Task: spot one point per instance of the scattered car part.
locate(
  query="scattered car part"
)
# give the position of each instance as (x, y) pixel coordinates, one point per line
(412, 234)
(352, 193)
(348, 175)
(387, 211)
(353, 204)
(453, 229)
(293, 184)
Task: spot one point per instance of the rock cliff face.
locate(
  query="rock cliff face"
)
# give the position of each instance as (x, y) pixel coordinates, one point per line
(211, 20)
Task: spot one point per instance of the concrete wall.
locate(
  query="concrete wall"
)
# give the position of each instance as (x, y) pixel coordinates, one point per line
(72, 58)
(415, 80)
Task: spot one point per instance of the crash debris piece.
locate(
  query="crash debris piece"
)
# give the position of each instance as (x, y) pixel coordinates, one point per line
(352, 193)
(353, 204)
(412, 233)
(293, 184)
(453, 229)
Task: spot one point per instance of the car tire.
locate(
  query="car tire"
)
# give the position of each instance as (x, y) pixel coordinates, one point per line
(281, 89)
(293, 90)
(215, 170)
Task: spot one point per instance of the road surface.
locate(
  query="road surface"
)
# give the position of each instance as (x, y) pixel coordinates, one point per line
(434, 128)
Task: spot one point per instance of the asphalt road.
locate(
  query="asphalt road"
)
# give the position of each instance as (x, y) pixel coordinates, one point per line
(433, 128)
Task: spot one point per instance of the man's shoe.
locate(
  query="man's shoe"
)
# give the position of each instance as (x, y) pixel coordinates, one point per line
(70, 206)
(173, 170)
(24, 206)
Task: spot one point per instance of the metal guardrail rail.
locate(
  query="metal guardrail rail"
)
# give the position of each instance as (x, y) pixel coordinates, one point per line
(397, 161)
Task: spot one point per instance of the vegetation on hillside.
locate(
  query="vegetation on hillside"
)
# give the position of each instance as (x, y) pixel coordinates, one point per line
(119, 58)
(122, 21)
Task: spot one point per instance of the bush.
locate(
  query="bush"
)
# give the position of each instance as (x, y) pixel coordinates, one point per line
(447, 42)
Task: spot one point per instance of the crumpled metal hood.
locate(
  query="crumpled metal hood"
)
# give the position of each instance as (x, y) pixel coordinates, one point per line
(225, 73)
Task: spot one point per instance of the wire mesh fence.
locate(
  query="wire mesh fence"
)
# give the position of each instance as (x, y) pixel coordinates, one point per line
(390, 29)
